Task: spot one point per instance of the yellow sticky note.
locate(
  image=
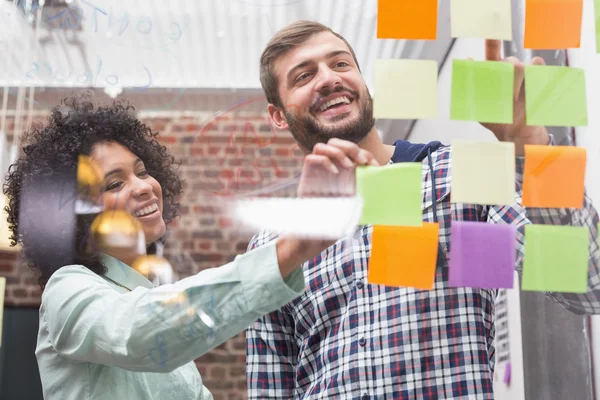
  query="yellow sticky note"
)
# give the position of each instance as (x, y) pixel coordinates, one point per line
(483, 172)
(404, 255)
(2, 290)
(488, 19)
(406, 89)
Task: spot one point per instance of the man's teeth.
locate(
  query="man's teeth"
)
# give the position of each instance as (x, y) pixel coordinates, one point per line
(146, 210)
(333, 102)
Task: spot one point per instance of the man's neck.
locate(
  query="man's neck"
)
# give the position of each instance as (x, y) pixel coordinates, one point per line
(373, 143)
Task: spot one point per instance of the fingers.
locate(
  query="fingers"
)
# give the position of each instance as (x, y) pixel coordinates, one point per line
(334, 153)
(317, 160)
(519, 76)
(538, 61)
(493, 50)
(353, 151)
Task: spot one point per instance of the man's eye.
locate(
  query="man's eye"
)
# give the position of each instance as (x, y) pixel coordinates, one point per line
(304, 75)
(342, 64)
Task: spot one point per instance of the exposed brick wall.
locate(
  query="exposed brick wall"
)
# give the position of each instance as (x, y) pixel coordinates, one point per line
(220, 156)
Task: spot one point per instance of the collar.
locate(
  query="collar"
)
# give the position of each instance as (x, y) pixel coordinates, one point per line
(120, 272)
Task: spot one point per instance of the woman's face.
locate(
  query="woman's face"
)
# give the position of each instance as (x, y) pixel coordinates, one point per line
(129, 187)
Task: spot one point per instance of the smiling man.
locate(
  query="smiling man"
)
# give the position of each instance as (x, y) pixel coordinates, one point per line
(345, 338)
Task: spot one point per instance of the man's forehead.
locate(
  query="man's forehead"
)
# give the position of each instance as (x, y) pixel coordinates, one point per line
(316, 47)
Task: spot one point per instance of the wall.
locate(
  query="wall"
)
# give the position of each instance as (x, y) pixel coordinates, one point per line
(587, 58)
(224, 155)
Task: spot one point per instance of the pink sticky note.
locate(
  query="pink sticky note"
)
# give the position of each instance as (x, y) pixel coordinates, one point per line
(482, 255)
(507, 372)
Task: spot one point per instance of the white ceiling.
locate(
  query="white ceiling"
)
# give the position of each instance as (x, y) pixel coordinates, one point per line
(184, 44)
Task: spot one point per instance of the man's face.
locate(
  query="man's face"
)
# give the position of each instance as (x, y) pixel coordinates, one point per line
(323, 93)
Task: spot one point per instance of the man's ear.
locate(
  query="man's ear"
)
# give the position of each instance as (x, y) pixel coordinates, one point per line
(277, 117)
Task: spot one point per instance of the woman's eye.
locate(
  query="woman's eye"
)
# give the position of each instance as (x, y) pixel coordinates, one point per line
(144, 173)
(114, 185)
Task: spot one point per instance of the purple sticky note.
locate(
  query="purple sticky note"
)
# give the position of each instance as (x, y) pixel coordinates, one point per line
(507, 374)
(482, 255)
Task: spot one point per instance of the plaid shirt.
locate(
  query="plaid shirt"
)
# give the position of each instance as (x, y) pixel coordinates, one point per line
(347, 339)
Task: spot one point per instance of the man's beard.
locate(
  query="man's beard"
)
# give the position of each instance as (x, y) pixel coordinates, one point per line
(308, 131)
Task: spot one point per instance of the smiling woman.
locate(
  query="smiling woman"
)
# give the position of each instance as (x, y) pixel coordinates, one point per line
(104, 327)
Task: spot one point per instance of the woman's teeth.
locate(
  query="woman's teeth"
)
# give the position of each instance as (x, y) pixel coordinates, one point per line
(146, 210)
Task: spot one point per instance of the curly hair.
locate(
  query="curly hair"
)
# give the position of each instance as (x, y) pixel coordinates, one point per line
(73, 128)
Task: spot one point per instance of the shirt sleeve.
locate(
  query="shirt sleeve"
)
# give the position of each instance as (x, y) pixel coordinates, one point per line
(587, 216)
(163, 328)
(271, 350)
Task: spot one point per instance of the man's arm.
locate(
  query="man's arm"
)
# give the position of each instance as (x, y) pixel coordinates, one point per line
(579, 303)
(271, 350)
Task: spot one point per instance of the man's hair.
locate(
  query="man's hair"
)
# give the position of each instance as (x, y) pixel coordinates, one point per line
(285, 40)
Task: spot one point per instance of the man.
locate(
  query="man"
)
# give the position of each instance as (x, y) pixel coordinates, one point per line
(345, 338)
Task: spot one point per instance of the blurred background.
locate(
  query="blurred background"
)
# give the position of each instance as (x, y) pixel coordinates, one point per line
(191, 69)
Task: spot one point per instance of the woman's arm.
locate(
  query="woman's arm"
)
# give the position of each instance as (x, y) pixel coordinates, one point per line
(147, 329)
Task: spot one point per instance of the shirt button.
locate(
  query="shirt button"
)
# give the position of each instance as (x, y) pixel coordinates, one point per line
(365, 397)
(362, 341)
(360, 284)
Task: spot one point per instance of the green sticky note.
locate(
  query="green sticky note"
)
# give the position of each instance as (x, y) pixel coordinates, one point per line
(597, 15)
(556, 258)
(555, 96)
(391, 194)
(482, 91)
(405, 89)
(483, 172)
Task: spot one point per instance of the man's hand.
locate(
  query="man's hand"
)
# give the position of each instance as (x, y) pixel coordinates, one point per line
(518, 132)
(328, 171)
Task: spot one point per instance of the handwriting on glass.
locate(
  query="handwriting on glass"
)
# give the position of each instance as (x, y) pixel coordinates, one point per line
(239, 142)
(47, 73)
(71, 18)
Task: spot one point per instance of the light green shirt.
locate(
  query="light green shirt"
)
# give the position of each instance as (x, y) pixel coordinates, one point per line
(99, 341)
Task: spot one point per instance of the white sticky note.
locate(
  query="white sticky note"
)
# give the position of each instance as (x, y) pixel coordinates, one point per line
(2, 290)
(406, 89)
(483, 172)
(488, 19)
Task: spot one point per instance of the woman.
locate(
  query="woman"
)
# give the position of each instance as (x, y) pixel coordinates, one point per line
(105, 331)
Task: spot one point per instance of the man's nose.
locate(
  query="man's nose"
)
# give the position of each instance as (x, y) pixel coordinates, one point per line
(327, 79)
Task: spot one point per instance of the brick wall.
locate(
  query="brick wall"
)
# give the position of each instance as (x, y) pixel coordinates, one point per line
(220, 156)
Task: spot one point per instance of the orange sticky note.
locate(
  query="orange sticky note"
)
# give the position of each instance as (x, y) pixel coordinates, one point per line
(404, 255)
(407, 19)
(554, 176)
(553, 24)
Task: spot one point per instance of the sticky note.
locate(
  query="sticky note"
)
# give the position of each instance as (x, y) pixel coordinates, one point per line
(555, 258)
(555, 96)
(404, 256)
(507, 372)
(554, 176)
(406, 89)
(553, 24)
(482, 255)
(391, 194)
(487, 19)
(597, 15)
(482, 91)
(407, 19)
(483, 172)
(2, 291)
